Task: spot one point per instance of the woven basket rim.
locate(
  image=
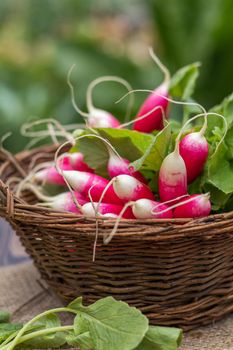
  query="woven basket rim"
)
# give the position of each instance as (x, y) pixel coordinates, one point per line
(47, 213)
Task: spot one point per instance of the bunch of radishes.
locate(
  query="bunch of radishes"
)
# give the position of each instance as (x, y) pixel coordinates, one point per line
(126, 193)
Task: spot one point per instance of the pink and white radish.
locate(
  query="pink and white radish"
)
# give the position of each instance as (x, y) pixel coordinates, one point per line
(118, 166)
(143, 208)
(194, 150)
(96, 117)
(194, 147)
(173, 180)
(148, 209)
(154, 121)
(84, 182)
(76, 162)
(172, 177)
(195, 206)
(50, 174)
(101, 209)
(127, 188)
(64, 202)
(67, 161)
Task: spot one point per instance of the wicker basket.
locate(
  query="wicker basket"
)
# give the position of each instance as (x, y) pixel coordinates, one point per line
(178, 272)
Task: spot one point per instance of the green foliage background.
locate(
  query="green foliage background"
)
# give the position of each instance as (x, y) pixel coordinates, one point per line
(41, 39)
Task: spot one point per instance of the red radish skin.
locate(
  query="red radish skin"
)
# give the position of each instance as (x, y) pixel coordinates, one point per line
(118, 166)
(148, 209)
(153, 121)
(50, 175)
(172, 177)
(197, 207)
(76, 162)
(106, 208)
(157, 98)
(194, 150)
(72, 161)
(82, 182)
(129, 189)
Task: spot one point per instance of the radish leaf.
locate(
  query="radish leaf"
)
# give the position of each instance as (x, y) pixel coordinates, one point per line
(161, 338)
(4, 316)
(155, 153)
(129, 144)
(183, 81)
(112, 323)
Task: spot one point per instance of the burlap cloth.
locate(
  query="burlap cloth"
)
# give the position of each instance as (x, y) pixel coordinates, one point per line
(24, 294)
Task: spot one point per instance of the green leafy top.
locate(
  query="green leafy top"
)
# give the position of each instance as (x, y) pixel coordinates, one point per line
(129, 144)
(183, 81)
(107, 324)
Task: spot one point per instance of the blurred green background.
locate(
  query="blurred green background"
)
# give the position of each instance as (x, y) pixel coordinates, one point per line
(41, 39)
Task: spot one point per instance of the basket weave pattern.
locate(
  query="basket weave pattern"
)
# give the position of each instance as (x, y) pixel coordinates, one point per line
(178, 272)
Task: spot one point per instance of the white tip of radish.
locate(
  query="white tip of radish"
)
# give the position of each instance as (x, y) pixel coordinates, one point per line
(172, 177)
(148, 209)
(124, 186)
(163, 88)
(40, 175)
(59, 201)
(109, 215)
(142, 208)
(76, 179)
(88, 209)
(99, 118)
(172, 169)
(75, 157)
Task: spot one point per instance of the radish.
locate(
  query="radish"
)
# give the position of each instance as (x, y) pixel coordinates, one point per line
(142, 209)
(128, 188)
(84, 182)
(76, 161)
(159, 108)
(95, 186)
(148, 209)
(154, 121)
(97, 117)
(196, 206)
(173, 180)
(65, 202)
(50, 174)
(172, 177)
(89, 210)
(194, 150)
(194, 147)
(117, 166)
(67, 161)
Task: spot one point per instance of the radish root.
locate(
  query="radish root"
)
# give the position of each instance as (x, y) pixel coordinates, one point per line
(110, 78)
(108, 238)
(161, 66)
(207, 195)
